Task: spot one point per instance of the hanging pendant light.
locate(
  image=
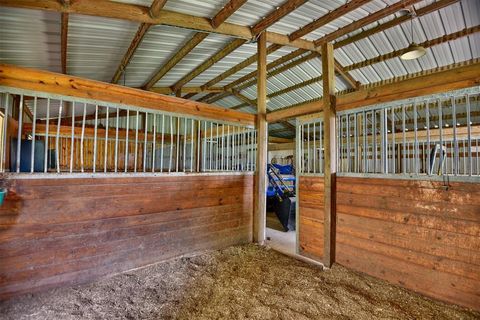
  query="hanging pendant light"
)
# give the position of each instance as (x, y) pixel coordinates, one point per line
(414, 51)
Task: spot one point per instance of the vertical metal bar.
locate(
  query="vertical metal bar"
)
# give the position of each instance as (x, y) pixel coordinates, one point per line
(116, 139)
(314, 149)
(19, 132)
(45, 157)
(82, 138)
(204, 153)
(57, 156)
(440, 125)
(177, 149)
(308, 147)
(192, 146)
(210, 144)
(374, 141)
(184, 143)
(455, 144)
(393, 141)
(427, 119)
(73, 137)
(469, 137)
(404, 168)
(385, 142)
(127, 129)
(136, 142)
(320, 139)
(216, 148)
(223, 146)
(355, 141)
(34, 124)
(199, 143)
(171, 145)
(161, 143)
(154, 143)
(106, 141)
(228, 148)
(95, 139)
(145, 139)
(415, 128)
(364, 127)
(348, 142)
(5, 130)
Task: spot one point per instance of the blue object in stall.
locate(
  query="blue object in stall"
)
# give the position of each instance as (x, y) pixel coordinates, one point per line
(3, 193)
(284, 169)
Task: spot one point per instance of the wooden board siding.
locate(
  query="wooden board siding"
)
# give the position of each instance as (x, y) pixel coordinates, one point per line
(416, 234)
(310, 197)
(56, 232)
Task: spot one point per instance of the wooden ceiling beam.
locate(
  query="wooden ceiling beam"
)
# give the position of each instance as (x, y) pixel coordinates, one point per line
(229, 48)
(64, 42)
(242, 65)
(274, 16)
(175, 59)
(365, 21)
(156, 7)
(329, 17)
(464, 76)
(207, 97)
(140, 14)
(137, 39)
(168, 90)
(354, 84)
(56, 83)
(190, 95)
(426, 44)
(227, 11)
(394, 22)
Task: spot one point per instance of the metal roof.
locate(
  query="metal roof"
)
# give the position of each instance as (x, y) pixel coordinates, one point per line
(96, 45)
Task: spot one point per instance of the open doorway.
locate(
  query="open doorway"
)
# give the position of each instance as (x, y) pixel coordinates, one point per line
(281, 195)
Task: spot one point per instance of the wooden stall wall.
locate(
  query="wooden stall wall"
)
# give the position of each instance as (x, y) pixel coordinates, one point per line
(310, 197)
(66, 231)
(421, 235)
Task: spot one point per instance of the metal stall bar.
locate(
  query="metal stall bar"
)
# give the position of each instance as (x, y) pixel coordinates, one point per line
(116, 139)
(126, 140)
(45, 157)
(19, 135)
(34, 123)
(469, 135)
(82, 138)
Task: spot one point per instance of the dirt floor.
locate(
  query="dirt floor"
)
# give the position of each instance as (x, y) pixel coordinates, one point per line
(243, 282)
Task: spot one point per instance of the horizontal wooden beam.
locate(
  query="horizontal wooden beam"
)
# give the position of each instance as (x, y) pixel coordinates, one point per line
(138, 13)
(227, 11)
(437, 82)
(55, 83)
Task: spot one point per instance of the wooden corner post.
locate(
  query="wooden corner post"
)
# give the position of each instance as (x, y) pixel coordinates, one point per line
(259, 221)
(330, 169)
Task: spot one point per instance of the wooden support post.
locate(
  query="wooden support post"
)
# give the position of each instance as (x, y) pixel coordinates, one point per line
(329, 115)
(259, 221)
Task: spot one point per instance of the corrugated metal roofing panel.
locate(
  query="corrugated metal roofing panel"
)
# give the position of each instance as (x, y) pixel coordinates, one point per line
(30, 38)
(97, 45)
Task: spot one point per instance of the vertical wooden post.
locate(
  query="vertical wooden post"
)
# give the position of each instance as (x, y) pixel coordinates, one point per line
(259, 221)
(329, 116)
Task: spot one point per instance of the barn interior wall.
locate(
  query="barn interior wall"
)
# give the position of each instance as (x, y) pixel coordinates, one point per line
(63, 231)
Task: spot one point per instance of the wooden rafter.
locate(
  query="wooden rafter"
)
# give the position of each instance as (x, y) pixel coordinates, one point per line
(345, 75)
(394, 22)
(463, 76)
(230, 47)
(156, 7)
(280, 12)
(227, 11)
(245, 63)
(168, 90)
(138, 13)
(426, 44)
(176, 58)
(137, 39)
(329, 17)
(190, 95)
(207, 97)
(64, 42)
(365, 21)
(217, 97)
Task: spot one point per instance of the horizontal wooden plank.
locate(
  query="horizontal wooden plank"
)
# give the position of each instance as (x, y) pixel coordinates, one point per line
(50, 82)
(439, 285)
